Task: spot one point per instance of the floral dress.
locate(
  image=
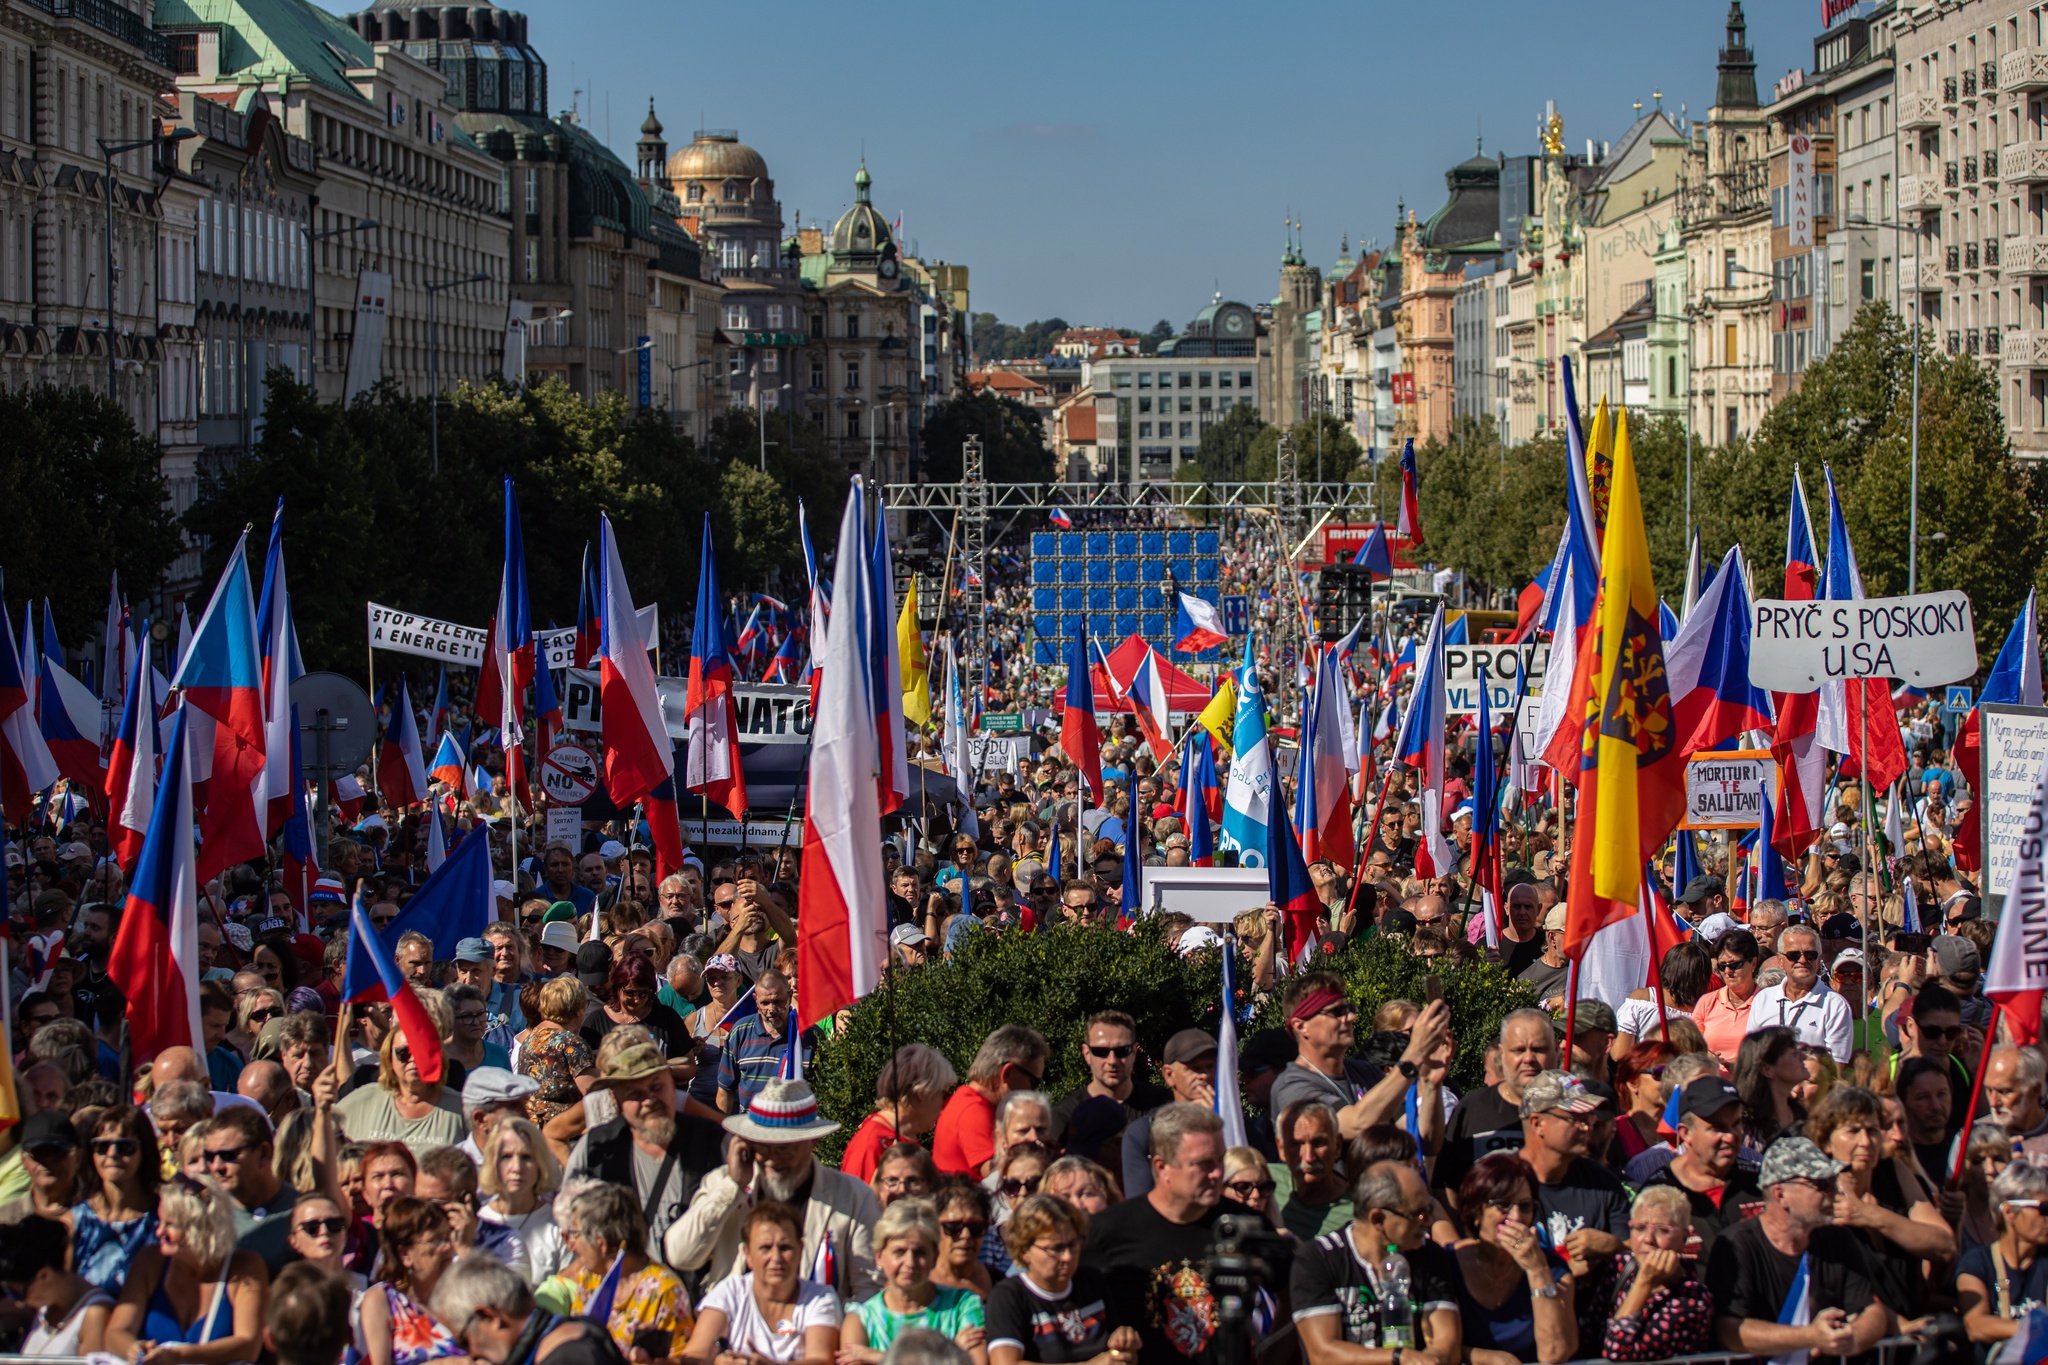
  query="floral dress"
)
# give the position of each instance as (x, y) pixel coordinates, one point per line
(1677, 1319)
(103, 1251)
(416, 1334)
(555, 1057)
(653, 1300)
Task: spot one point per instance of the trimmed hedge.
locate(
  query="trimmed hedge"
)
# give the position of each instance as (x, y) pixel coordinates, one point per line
(1053, 981)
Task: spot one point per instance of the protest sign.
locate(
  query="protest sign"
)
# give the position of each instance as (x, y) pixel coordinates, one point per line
(408, 632)
(774, 726)
(1926, 640)
(2013, 741)
(1503, 664)
(1727, 789)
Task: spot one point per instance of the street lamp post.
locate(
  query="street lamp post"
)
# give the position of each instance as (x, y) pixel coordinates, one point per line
(761, 420)
(312, 306)
(108, 151)
(1913, 494)
(433, 289)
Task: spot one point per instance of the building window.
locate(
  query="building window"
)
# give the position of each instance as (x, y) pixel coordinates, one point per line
(853, 374)
(532, 260)
(1187, 429)
(774, 317)
(1144, 430)
(1728, 346)
(818, 326)
(1144, 379)
(736, 316)
(853, 424)
(1867, 273)
(732, 191)
(1204, 381)
(1734, 425)
(1728, 272)
(1671, 376)
(1187, 379)
(695, 193)
(817, 374)
(1222, 379)
(1244, 379)
(853, 326)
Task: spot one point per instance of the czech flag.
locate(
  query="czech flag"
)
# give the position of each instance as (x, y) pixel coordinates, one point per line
(511, 622)
(2015, 676)
(1289, 887)
(1078, 736)
(711, 749)
(1802, 765)
(1201, 798)
(401, 767)
(131, 767)
(788, 662)
(1147, 700)
(25, 763)
(1410, 524)
(448, 764)
(155, 957)
(1712, 697)
(300, 866)
(546, 706)
(841, 898)
(587, 626)
(1322, 793)
(1421, 747)
(1856, 716)
(1196, 626)
(372, 974)
(1058, 517)
(222, 682)
(1376, 555)
(348, 796)
(279, 641)
(70, 715)
(639, 759)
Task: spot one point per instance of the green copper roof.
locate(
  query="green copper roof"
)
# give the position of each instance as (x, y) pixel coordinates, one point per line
(264, 40)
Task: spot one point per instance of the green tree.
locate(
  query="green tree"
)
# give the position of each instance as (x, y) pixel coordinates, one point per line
(1162, 331)
(1339, 452)
(801, 466)
(1226, 448)
(754, 521)
(1013, 448)
(90, 502)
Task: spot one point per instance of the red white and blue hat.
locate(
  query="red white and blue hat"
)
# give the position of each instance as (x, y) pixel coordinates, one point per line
(781, 1111)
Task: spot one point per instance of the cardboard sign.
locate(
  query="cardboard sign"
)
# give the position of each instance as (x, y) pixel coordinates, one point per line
(2014, 741)
(989, 754)
(1926, 640)
(775, 729)
(753, 834)
(1727, 789)
(565, 825)
(408, 632)
(1503, 665)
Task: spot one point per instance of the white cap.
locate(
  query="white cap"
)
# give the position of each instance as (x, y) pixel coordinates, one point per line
(610, 849)
(1714, 926)
(504, 891)
(1838, 830)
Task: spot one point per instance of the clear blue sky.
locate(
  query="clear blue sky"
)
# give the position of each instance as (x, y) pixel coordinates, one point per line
(1115, 164)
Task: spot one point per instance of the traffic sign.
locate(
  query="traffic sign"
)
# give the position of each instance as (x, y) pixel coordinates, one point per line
(1958, 699)
(569, 774)
(1237, 613)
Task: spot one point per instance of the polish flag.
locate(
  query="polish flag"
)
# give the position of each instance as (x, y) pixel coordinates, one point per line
(840, 896)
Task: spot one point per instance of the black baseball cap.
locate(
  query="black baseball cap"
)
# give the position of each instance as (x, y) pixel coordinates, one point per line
(48, 1128)
(1707, 1096)
(594, 965)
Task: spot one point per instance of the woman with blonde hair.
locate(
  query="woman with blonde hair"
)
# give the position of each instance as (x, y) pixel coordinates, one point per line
(553, 1052)
(906, 1250)
(404, 1106)
(191, 1299)
(1085, 1184)
(1248, 1181)
(519, 1179)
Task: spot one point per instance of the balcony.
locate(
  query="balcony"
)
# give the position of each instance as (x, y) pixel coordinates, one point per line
(1919, 194)
(2027, 255)
(1970, 258)
(2025, 350)
(1974, 342)
(1954, 259)
(1969, 170)
(2026, 69)
(1990, 80)
(1990, 162)
(1909, 275)
(1991, 335)
(1919, 109)
(1948, 91)
(1991, 253)
(1970, 83)
(110, 18)
(2027, 163)
(1951, 175)
(1955, 342)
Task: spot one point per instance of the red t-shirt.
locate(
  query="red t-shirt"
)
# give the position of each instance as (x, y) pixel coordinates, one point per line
(965, 1140)
(864, 1152)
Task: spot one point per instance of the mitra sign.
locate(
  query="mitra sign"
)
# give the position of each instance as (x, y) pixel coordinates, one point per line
(1925, 640)
(1727, 789)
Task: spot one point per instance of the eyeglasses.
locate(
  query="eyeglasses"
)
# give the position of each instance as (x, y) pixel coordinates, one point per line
(115, 1147)
(225, 1156)
(1939, 1033)
(1016, 1189)
(322, 1227)
(1511, 1205)
(1119, 1051)
(1059, 1251)
(2034, 1204)
(1243, 1190)
(470, 1017)
(965, 1227)
(905, 1184)
(1801, 955)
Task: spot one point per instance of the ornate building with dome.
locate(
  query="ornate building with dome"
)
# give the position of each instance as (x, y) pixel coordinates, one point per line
(606, 292)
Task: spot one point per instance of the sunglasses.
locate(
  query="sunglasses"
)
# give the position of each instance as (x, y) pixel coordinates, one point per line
(402, 1055)
(262, 1016)
(1245, 1189)
(226, 1156)
(1119, 1052)
(1016, 1189)
(1729, 968)
(116, 1147)
(322, 1227)
(1802, 955)
(966, 1227)
(1937, 1032)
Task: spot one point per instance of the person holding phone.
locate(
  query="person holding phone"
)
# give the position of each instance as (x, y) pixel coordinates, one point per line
(602, 1223)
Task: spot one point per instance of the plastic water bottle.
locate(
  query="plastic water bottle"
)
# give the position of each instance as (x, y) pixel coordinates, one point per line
(1397, 1307)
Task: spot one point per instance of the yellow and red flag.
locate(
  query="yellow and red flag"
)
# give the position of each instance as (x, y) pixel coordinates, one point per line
(1631, 773)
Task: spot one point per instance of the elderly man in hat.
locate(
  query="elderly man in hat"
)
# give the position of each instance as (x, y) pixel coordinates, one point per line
(771, 1157)
(659, 1154)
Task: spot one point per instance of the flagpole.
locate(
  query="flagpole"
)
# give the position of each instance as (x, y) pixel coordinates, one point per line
(512, 794)
(1863, 778)
(1953, 1179)
(370, 652)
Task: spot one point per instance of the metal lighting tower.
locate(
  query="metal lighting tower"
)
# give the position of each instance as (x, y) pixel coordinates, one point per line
(974, 558)
(1287, 491)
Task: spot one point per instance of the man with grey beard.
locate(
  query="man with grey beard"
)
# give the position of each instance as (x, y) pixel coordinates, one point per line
(659, 1154)
(770, 1157)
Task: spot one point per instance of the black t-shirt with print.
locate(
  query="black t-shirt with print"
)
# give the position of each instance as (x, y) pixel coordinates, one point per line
(1587, 1196)
(1715, 1211)
(1751, 1278)
(1330, 1277)
(1482, 1124)
(1065, 1330)
(1152, 1279)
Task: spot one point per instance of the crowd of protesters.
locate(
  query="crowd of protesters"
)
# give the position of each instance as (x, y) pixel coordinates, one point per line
(614, 1163)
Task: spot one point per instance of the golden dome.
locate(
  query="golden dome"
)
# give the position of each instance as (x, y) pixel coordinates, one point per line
(717, 154)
